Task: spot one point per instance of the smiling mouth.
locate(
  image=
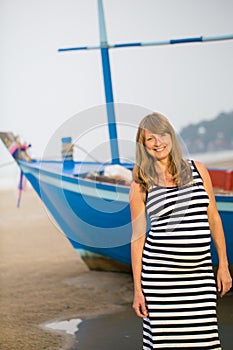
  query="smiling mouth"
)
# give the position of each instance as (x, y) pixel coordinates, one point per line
(160, 149)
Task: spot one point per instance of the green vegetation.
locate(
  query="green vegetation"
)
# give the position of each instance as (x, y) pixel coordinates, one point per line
(211, 135)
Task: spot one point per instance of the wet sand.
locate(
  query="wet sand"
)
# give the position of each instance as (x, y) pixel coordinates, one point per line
(107, 332)
(44, 280)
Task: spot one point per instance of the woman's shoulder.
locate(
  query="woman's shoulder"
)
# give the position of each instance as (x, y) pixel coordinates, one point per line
(201, 168)
(199, 165)
(135, 187)
(137, 192)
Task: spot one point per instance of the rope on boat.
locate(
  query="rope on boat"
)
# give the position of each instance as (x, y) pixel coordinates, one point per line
(67, 150)
(20, 188)
(153, 43)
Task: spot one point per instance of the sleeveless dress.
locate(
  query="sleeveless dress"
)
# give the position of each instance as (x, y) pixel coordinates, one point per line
(177, 278)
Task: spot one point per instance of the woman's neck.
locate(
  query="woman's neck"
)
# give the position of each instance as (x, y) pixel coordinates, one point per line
(164, 177)
(161, 166)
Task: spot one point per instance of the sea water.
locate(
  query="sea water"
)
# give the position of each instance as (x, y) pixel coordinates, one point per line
(213, 157)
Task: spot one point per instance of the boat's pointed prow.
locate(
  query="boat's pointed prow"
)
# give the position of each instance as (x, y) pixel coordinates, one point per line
(14, 146)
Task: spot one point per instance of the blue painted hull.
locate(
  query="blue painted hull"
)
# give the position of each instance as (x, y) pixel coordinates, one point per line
(96, 216)
(86, 212)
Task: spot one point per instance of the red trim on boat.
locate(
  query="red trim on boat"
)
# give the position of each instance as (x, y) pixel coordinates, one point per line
(222, 178)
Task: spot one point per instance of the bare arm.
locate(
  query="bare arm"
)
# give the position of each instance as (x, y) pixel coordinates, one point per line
(224, 281)
(138, 217)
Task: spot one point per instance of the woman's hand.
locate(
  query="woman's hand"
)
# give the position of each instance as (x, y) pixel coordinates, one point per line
(224, 281)
(139, 305)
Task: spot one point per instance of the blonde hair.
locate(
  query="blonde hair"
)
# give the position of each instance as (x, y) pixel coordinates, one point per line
(144, 171)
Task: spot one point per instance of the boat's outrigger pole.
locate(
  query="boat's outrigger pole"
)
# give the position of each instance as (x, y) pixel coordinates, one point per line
(104, 47)
(108, 86)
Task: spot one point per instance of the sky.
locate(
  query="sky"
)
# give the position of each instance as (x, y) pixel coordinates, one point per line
(41, 89)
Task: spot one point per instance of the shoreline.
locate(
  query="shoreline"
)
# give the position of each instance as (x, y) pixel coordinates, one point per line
(221, 159)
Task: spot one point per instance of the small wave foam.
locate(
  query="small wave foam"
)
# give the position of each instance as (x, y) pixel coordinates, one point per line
(69, 327)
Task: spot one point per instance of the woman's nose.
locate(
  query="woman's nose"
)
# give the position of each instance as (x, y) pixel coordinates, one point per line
(157, 140)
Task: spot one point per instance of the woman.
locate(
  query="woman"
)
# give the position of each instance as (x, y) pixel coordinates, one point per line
(174, 285)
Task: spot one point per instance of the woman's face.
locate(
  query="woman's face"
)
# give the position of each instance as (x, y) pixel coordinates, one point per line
(158, 145)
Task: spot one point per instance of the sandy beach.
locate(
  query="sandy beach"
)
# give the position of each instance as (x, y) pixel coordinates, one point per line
(44, 280)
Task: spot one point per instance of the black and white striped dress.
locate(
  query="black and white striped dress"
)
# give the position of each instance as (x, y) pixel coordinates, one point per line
(177, 277)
